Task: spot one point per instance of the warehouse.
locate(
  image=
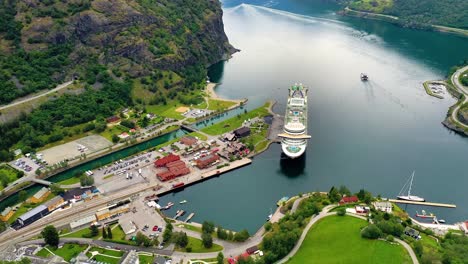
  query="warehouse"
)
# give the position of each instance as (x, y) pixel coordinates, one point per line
(33, 215)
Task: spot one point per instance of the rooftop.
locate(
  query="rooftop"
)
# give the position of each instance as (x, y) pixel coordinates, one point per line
(33, 212)
(41, 193)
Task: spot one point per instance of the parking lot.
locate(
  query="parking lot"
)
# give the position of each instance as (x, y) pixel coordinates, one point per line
(26, 164)
(142, 215)
(196, 113)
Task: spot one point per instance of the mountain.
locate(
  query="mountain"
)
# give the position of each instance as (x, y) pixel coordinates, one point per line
(46, 42)
(418, 13)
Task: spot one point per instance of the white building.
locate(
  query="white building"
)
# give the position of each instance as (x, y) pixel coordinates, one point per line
(383, 206)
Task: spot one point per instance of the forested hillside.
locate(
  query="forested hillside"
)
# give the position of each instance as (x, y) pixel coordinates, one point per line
(105, 45)
(419, 13)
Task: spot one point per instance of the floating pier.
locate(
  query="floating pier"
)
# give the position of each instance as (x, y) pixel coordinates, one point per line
(179, 213)
(189, 217)
(423, 203)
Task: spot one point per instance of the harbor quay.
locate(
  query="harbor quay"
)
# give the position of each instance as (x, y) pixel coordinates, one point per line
(136, 177)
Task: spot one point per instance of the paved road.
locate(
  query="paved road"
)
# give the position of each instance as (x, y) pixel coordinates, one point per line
(324, 213)
(59, 87)
(463, 89)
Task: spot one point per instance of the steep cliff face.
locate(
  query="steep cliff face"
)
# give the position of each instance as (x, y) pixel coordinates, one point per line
(127, 36)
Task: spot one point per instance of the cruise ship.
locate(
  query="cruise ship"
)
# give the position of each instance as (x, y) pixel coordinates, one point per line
(294, 136)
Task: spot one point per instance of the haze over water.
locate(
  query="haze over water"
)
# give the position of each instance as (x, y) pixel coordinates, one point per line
(364, 135)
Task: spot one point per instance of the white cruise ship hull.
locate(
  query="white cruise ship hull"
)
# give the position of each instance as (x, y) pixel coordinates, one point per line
(293, 151)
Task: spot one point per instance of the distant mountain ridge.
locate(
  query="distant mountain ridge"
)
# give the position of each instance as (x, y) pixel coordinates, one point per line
(417, 13)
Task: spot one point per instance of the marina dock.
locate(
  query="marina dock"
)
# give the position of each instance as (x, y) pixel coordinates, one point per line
(179, 213)
(189, 217)
(423, 203)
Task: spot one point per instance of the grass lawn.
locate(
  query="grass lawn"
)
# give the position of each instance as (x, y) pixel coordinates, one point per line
(235, 122)
(67, 252)
(217, 105)
(104, 251)
(146, 259)
(375, 6)
(81, 232)
(106, 259)
(116, 129)
(197, 246)
(118, 236)
(72, 180)
(337, 239)
(10, 173)
(261, 145)
(191, 227)
(168, 110)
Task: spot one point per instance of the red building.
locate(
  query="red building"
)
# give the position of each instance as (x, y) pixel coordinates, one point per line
(188, 141)
(349, 199)
(174, 169)
(165, 160)
(113, 119)
(206, 161)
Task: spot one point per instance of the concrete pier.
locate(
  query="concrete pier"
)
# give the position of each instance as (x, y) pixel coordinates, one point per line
(423, 203)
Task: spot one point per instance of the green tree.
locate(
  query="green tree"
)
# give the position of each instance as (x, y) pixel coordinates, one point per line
(334, 195)
(181, 239)
(341, 212)
(22, 195)
(38, 172)
(222, 234)
(344, 190)
(220, 258)
(104, 233)
(241, 236)
(371, 232)
(94, 230)
(56, 189)
(167, 235)
(86, 180)
(109, 232)
(208, 227)
(50, 235)
(207, 240)
(141, 239)
(418, 248)
(115, 138)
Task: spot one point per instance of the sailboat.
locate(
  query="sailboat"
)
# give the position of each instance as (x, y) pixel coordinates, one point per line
(409, 197)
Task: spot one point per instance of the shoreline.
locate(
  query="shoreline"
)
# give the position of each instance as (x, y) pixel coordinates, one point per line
(395, 20)
(211, 94)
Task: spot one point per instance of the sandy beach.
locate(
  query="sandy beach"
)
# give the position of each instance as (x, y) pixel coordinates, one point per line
(212, 94)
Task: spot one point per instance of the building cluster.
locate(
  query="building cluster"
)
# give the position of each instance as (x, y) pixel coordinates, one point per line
(71, 196)
(237, 134)
(175, 167)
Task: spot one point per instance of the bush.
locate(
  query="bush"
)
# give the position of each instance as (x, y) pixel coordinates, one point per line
(371, 232)
(127, 123)
(341, 212)
(241, 236)
(390, 238)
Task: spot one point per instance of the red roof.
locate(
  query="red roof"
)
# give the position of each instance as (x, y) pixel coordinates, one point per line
(112, 119)
(165, 160)
(231, 261)
(349, 199)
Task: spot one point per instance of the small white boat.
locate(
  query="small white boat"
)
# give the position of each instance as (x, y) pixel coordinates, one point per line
(409, 197)
(269, 217)
(442, 221)
(183, 201)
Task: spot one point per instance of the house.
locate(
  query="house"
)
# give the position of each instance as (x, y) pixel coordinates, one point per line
(383, 206)
(113, 119)
(242, 132)
(229, 137)
(206, 161)
(412, 233)
(6, 214)
(251, 250)
(348, 199)
(40, 196)
(77, 193)
(54, 203)
(188, 140)
(361, 209)
(159, 260)
(128, 226)
(124, 135)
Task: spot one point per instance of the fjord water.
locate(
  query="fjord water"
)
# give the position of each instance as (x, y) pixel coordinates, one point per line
(364, 135)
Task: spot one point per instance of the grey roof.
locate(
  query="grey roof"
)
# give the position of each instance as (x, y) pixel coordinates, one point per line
(160, 260)
(33, 212)
(6, 211)
(41, 193)
(53, 201)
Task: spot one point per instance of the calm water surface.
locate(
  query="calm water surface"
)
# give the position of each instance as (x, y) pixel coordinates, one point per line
(364, 135)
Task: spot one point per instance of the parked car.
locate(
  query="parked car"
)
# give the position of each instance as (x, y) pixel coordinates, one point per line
(155, 228)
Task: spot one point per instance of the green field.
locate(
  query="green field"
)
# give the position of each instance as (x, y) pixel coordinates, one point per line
(116, 129)
(104, 251)
(72, 180)
(197, 246)
(375, 6)
(81, 232)
(168, 110)
(8, 174)
(337, 239)
(235, 122)
(67, 252)
(106, 259)
(146, 259)
(218, 105)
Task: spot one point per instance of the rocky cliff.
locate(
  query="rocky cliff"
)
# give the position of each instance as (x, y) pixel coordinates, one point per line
(135, 37)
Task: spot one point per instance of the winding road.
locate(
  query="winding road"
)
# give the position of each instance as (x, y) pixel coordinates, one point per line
(463, 89)
(59, 87)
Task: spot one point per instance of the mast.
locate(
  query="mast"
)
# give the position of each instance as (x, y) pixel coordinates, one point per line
(411, 184)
